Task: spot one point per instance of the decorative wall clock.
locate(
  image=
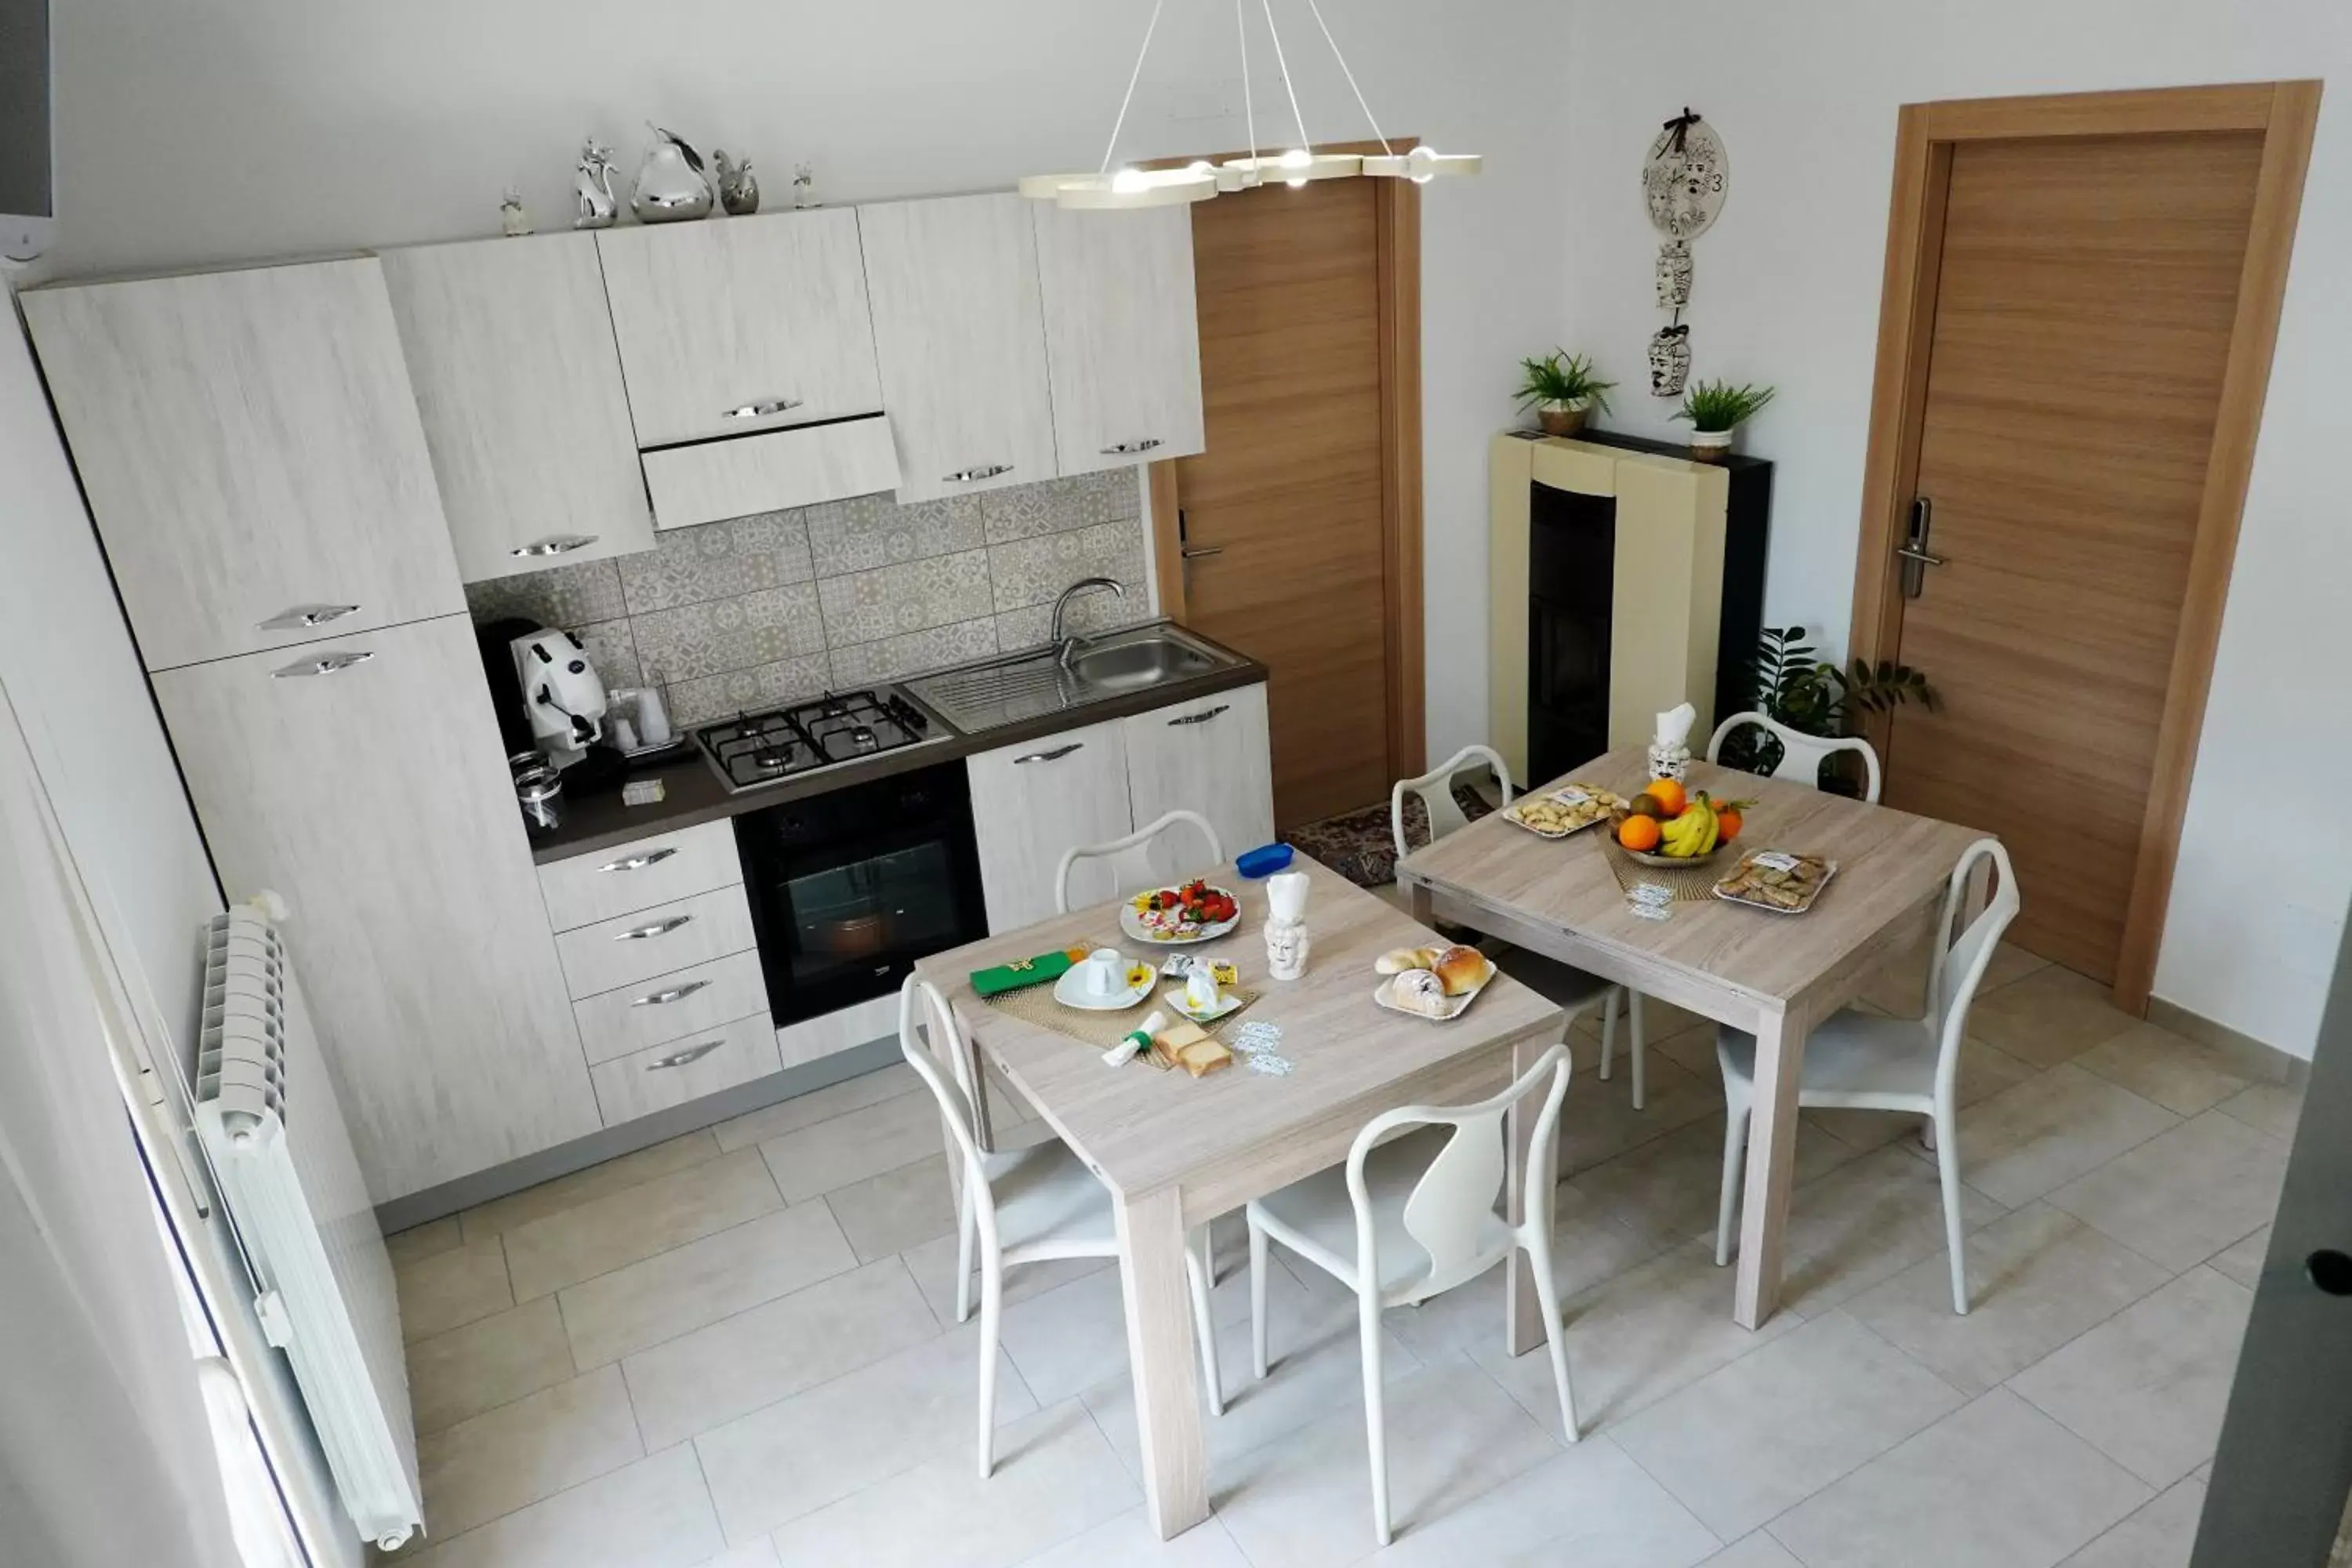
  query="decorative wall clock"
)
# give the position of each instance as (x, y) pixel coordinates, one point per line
(1685, 177)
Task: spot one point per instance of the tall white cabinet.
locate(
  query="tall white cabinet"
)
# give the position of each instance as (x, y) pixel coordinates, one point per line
(960, 333)
(511, 352)
(252, 453)
(1122, 339)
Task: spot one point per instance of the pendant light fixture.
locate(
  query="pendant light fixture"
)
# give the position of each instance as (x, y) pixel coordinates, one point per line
(1295, 166)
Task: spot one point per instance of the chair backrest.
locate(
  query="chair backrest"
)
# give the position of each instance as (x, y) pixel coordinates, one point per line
(1133, 866)
(952, 1089)
(1447, 1213)
(1802, 755)
(1436, 791)
(1958, 964)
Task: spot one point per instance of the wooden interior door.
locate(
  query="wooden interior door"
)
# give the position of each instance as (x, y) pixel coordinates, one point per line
(1287, 555)
(2083, 307)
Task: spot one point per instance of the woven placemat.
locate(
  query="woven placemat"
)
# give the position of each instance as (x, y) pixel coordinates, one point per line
(1035, 1004)
(1693, 885)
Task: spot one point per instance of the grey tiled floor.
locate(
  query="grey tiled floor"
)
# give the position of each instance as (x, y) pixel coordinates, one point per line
(739, 1348)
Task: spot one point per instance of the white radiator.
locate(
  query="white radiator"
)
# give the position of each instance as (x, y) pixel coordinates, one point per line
(267, 1111)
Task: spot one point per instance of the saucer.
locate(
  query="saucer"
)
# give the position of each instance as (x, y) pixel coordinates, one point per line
(1226, 1002)
(1071, 991)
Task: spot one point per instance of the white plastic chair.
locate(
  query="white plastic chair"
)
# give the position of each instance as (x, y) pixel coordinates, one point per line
(1801, 755)
(1859, 1061)
(1022, 1205)
(1409, 1217)
(1131, 868)
(1569, 986)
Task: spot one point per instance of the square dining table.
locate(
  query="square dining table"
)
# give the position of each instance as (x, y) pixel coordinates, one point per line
(1773, 974)
(1176, 1152)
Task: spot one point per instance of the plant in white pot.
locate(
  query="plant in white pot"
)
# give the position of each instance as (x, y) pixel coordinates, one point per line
(1563, 389)
(1715, 410)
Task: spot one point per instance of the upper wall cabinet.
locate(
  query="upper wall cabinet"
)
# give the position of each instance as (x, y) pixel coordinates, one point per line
(741, 324)
(510, 349)
(1120, 333)
(962, 340)
(252, 454)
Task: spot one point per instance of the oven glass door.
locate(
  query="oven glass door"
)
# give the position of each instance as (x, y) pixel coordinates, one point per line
(854, 921)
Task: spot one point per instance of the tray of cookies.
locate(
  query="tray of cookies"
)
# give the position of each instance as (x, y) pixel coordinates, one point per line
(1776, 880)
(1572, 808)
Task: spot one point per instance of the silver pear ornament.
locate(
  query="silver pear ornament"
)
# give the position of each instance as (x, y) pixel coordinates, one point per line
(671, 184)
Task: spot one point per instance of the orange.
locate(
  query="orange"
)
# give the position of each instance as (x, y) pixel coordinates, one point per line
(1727, 824)
(1668, 794)
(1639, 833)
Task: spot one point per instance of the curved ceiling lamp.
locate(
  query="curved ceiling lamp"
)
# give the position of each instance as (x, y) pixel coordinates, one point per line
(1198, 181)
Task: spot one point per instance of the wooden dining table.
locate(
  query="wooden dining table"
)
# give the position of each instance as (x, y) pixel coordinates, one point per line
(1773, 974)
(1176, 1152)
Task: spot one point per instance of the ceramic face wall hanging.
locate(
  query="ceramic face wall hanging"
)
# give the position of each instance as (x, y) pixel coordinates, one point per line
(1670, 359)
(1685, 177)
(1674, 275)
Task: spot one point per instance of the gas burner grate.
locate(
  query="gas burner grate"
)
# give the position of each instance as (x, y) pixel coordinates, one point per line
(754, 748)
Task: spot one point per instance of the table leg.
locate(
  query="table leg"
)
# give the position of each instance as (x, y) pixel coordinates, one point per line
(1772, 1166)
(1424, 906)
(1523, 1316)
(1160, 1354)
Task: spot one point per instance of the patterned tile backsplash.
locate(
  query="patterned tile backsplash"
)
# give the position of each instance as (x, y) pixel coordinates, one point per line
(766, 609)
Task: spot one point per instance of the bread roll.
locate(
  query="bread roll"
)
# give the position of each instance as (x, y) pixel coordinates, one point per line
(1461, 969)
(1398, 959)
(1418, 991)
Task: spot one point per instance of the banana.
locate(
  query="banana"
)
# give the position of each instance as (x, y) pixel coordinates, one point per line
(1693, 833)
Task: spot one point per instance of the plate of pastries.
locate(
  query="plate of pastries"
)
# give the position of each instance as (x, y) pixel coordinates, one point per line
(1435, 982)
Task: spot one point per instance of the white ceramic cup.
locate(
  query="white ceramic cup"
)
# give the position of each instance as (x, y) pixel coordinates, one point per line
(1200, 988)
(1106, 972)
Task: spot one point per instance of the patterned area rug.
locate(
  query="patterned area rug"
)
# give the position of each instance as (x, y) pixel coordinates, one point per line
(1357, 844)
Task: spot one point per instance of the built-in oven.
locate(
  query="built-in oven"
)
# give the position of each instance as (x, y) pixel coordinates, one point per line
(849, 888)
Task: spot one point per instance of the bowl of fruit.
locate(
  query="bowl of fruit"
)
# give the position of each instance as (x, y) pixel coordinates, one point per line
(1193, 912)
(1670, 828)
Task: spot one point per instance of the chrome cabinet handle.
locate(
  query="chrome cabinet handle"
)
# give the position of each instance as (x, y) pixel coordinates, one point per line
(762, 409)
(1201, 718)
(1055, 755)
(553, 545)
(324, 664)
(1125, 449)
(638, 862)
(302, 618)
(659, 928)
(679, 1059)
(674, 994)
(970, 476)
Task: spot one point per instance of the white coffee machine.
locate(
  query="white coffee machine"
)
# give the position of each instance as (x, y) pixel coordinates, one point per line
(562, 692)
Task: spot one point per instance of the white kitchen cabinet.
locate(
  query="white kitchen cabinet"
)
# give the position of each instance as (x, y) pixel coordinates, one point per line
(1032, 801)
(252, 454)
(960, 338)
(701, 1063)
(637, 947)
(1121, 336)
(709, 482)
(658, 869)
(360, 779)
(510, 349)
(741, 324)
(1211, 756)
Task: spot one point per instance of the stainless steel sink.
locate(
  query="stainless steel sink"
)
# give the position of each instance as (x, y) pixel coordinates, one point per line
(1152, 661)
(991, 692)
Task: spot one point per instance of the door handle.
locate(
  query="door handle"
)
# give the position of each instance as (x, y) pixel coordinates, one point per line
(553, 545)
(1055, 755)
(679, 1059)
(639, 862)
(1913, 551)
(324, 664)
(762, 409)
(674, 994)
(1128, 449)
(302, 618)
(973, 475)
(659, 928)
(1201, 718)
(1194, 551)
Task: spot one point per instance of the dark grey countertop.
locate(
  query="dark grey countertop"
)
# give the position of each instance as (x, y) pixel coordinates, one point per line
(694, 795)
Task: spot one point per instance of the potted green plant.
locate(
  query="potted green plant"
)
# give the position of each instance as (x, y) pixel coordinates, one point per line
(1715, 409)
(1563, 389)
(1814, 697)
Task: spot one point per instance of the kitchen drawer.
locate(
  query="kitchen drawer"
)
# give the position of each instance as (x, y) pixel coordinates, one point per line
(634, 1018)
(702, 1063)
(637, 947)
(660, 869)
(713, 481)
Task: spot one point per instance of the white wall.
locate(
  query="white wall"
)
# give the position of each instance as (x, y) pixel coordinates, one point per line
(220, 130)
(1805, 93)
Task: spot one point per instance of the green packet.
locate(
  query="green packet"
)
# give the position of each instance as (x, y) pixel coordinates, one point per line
(1023, 972)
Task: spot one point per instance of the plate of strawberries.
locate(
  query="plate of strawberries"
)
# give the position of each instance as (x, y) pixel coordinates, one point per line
(1192, 912)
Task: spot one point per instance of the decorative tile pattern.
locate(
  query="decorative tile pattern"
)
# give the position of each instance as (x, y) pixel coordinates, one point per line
(1090, 614)
(1035, 571)
(889, 658)
(907, 597)
(1025, 512)
(613, 650)
(860, 534)
(695, 640)
(693, 702)
(694, 565)
(559, 596)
